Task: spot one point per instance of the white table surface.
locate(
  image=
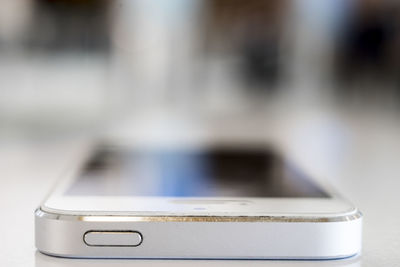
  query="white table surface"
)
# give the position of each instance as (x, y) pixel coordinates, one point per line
(366, 169)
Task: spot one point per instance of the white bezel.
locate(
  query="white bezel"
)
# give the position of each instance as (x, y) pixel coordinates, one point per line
(59, 203)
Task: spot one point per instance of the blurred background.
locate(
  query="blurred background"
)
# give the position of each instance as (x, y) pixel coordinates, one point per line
(319, 78)
(315, 77)
(69, 65)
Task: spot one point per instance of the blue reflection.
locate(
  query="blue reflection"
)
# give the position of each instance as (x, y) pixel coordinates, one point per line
(183, 176)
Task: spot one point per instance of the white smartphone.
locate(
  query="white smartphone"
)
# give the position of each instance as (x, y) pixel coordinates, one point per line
(244, 202)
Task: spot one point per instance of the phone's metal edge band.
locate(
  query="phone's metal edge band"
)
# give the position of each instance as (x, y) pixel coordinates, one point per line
(124, 218)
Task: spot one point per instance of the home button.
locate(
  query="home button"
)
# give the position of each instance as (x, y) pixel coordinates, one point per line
(99, 238)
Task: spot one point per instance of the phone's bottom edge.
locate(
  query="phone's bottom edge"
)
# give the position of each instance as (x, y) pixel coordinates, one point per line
(271, 258)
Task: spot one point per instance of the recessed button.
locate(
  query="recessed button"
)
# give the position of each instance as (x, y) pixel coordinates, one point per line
(113, 238)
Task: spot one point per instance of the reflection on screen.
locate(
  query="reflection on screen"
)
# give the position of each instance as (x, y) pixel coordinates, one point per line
(213, 172)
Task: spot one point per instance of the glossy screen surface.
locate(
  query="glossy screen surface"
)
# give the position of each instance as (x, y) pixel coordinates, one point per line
(210, 172)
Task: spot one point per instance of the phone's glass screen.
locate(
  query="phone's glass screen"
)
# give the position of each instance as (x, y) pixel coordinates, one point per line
(212, 172)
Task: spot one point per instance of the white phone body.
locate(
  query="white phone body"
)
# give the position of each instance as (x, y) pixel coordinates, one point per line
(196, 227)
